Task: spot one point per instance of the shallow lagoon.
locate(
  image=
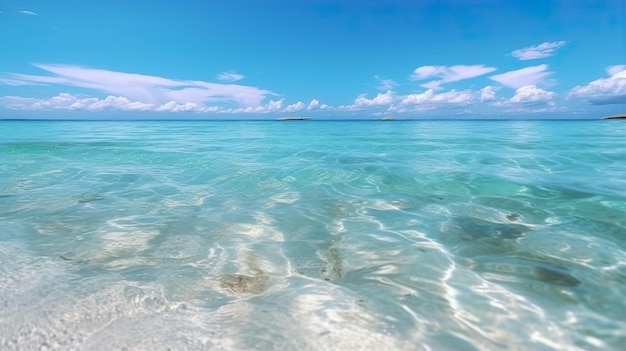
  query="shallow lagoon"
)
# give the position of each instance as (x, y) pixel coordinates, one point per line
(413, 235)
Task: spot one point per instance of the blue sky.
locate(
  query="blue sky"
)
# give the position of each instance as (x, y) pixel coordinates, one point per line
(317, 58)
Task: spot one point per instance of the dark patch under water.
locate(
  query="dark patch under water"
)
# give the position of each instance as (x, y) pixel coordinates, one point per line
(556, 275)
(476, 228)
(244, 284)
(534, 269)
(89, 198)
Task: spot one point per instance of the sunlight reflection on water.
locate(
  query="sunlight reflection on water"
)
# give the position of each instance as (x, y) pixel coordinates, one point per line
(341, 236)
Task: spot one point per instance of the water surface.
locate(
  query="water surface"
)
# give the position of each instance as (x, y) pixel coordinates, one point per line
(313, 235)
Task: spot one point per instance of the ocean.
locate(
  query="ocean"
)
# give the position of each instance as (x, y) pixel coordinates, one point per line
(312, 235)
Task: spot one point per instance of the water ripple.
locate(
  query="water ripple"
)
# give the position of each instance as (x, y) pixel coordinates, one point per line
(251, 235)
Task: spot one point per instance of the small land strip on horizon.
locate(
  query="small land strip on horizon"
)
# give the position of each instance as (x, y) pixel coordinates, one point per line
(293, 118)
(618, 116)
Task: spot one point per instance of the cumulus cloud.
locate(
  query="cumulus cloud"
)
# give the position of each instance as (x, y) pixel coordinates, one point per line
(29, 13)
(379, 99)
(447, 74)
(173, 106)
(487, 93)
(66, 101)
(528, 99)
(298, 106)
(230, 76)
(361, 102)
(542, 50)
(604, 91)
(530, 94)
(315, 104)
(429, 97)
(271, 107)
(532, 75)
(142, 88)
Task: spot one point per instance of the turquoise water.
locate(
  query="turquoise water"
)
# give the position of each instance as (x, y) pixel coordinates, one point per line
(313, 235)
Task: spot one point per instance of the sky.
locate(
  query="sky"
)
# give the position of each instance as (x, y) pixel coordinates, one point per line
(240, 59)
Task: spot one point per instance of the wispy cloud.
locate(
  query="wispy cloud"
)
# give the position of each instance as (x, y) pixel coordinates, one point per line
(542, 50)
(385, 84)
(604, 91)
(526, 76)
(613, 70)
(142, 88)
(447, 74)
(29, 13)
(230, 76)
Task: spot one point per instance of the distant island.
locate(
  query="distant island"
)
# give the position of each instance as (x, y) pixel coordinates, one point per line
(619, 116)
(293, 118)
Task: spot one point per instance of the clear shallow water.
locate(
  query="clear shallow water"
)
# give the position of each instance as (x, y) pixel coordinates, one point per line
(451, 235)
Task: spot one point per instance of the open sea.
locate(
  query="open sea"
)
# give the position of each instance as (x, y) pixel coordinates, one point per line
(313, 235)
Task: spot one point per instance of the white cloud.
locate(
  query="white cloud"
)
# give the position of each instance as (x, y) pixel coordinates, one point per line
(142, 88)
(65, 101)
(29, 13)
(613, 70)
(385, 84)
(120, 103)
(173, 106)
(298, 106)
(542, 50)
(528, 99)
(230, 76)
(532, 75)
(380, 99)
(429, 97)
(17, 82)
(424, 72)
(313, 104)
(530, 94)
(270, 107)
(448, 74)
(361, 102)
(487, 93)
(604, 91)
